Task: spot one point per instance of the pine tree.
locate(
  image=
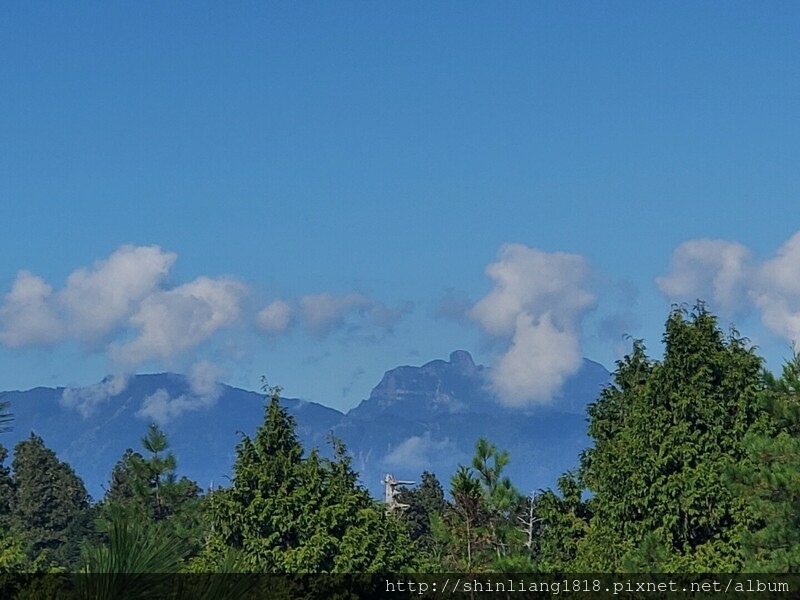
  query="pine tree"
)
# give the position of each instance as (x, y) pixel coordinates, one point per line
(461, 530)
(147, 491)
(479, 532)
(151, 485)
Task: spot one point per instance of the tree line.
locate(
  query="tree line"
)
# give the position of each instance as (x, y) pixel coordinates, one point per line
(693, 466)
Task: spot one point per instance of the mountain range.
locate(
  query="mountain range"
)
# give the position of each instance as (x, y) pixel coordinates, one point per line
(417, 418)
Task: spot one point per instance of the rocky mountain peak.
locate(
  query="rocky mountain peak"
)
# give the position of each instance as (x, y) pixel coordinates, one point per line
(462, 360)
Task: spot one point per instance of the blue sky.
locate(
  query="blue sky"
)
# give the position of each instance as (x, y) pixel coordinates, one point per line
(321, 191)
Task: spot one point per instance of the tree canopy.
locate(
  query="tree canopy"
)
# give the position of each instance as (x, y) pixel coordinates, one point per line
(288, 513)
(664, 435)
(693, 465)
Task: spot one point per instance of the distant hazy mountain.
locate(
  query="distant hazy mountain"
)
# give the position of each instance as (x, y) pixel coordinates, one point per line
(416, 418)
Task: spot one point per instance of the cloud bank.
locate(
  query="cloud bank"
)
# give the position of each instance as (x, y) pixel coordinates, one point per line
(123, 294)
(172, 321)
(125, 306)
(537, 304)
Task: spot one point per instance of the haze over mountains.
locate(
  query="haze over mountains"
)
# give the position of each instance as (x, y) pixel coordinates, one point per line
(416, 418)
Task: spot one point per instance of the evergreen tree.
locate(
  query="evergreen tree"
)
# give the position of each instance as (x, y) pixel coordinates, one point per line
(6, 491)
(287, 513)
(562, 522)
(150, 486)
(478, 531)
(128, 484)
(769, 478)
(50, 504)
(461, 530)
(147, 491)
(665, 433)
(12, 545)
(424, 501)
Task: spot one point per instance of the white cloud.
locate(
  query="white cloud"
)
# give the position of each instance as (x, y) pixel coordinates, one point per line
(28, 316)
(275, 317)
(91, 305)
(535, 366)
(101, 298)
(204, 391)
(87, 399)
(419, 452)
(537, 303)
(204, 379)
(123, 304)
(176, 320)
(385, 317)
(162, 408)
(713, 270)
(725, 273)
(776, 290)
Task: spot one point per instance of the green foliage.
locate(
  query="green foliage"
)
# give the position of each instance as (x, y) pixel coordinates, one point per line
(695, 467)
(12, 552)
(6, 491)
(665, 433)
(287, 513)
(50, 504)
(424, 502)
(562, 521)
(769, 478)
(133, 547)
(147, 490)
(478, 530)
(150, 485)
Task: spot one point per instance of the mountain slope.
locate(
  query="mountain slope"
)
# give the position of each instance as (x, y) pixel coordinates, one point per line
(416, 418)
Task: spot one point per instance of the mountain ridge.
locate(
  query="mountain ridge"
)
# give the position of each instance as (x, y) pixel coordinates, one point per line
(416, 418)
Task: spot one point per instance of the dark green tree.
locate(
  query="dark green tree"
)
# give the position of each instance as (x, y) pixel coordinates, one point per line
(289, 513)
(149, 485)
(50, 506)
(769, 478)
(6, 491)
(664, 435)
(479, 531)
(423, 501)
(561, 521)
(146, 490)
(12, 544)
(461, 531)
(128, 484)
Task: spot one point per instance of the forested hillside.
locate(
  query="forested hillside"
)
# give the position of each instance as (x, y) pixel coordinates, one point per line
(694, 466)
